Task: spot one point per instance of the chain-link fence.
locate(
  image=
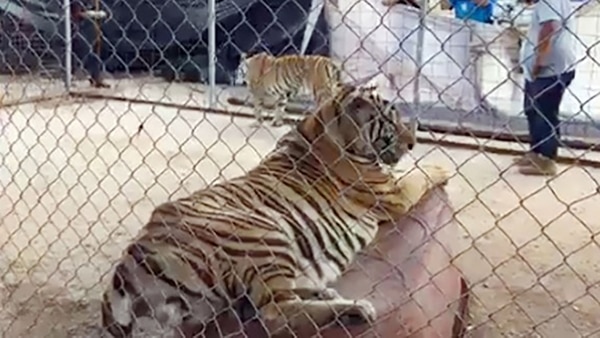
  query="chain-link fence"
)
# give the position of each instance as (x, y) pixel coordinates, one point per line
(155, 106)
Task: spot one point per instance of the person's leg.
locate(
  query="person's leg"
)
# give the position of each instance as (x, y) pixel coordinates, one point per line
(545, 128)
(530, 114)
(547, 103)
(93, 64)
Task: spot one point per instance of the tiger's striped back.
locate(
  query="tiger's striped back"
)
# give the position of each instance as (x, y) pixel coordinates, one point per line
(275, 236)
(272, 81)
(288, 75)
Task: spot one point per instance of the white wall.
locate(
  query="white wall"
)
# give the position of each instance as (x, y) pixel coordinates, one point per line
(367, 37)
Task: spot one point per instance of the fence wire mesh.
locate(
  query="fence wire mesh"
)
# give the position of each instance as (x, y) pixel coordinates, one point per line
(498, 252)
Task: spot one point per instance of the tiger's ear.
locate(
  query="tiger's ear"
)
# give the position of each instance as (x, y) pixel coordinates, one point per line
(243, 56)
(370, 86)
(354, 93)
(413, 125)
(351, 98)
(343, 91)
(356, 105)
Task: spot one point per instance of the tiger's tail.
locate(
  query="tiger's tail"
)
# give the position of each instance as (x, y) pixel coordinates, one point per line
(148, 295)
(117, 302)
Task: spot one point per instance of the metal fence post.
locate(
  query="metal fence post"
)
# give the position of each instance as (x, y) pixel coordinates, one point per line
(68, 45)
(419, 61)
(316, 7)
(212, 58)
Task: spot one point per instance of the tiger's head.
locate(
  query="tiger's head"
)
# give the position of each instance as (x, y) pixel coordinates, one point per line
(363, 125)
(256, 65)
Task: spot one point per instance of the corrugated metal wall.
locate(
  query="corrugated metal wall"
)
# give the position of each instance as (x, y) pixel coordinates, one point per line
(23, 50)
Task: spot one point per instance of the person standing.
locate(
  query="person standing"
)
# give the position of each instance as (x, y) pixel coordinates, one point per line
(548, 62)
(83, 29)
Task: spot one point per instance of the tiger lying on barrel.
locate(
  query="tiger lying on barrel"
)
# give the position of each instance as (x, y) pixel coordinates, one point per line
(272, 81)
(279, 234)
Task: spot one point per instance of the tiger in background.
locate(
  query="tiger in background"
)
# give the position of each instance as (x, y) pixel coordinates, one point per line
(276, 236)
(272, 81)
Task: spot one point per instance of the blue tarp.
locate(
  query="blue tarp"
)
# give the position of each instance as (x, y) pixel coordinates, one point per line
(170, 37)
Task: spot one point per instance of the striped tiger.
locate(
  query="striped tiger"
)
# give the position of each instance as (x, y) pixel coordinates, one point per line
(272, 81)
(276, 236)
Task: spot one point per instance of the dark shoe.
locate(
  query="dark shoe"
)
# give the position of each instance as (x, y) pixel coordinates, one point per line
(525, 159)
(539, 166)
(98, 83)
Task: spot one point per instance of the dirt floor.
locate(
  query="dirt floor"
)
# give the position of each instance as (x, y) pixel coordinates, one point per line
(78, 182)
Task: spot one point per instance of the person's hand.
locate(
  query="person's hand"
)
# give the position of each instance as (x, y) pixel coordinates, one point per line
(446, 5)
(535, 70)
(481, 3)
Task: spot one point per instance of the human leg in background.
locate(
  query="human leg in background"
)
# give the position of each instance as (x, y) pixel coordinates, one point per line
(84, 48)
(93, 62)
(530, 115)
(543, 97)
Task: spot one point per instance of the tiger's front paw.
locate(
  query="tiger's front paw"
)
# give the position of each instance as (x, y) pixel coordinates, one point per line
(326, 294)
(363, 312)
(277, 123)
(329, 293)
(319, 294)
(256, 124)
(389, 3)
(437, 174)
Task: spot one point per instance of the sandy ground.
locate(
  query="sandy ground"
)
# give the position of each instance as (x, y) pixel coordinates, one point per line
(77, 184)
